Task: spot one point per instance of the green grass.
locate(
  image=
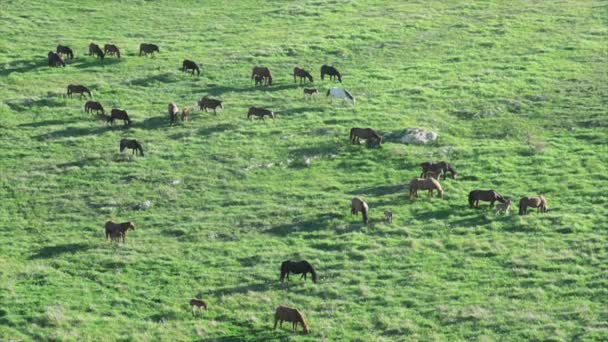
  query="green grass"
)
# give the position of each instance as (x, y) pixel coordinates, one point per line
(516, 90)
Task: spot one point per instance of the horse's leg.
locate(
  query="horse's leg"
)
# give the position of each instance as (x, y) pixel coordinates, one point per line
(491, 204)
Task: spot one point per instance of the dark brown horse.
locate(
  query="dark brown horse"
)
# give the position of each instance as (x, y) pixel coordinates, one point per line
(192, 66)
(439, 167)
(148, 49)
(484, 195)
(94, 49)
(120, 115)
(533, 202)
(302, 74)
(357, 133)
(118, 231)
(294, 316)
(91, 106)
(207, 103)
(132, 144)
(259, 112)
(173, 111)
(64, 50)
(78, 89)
(264, 72)
(111, 49)
(297, 267)
(310, 92)
(199, 304)
(331, 71)
(358, 205)
(55, 59)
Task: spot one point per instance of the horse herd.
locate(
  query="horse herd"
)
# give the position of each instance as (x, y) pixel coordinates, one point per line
(429, 179)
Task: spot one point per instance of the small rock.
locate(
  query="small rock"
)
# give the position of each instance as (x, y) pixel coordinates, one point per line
(418, 136)
(307, 161)
(145, 205)
(176, 182)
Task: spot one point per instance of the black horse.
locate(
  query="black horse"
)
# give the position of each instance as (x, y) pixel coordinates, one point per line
(331, 71)
(64, 50)
(55, 59)
(148, 49)
(190, 65)
(94, 49)
(440, 166)
(297, 267)
(132, 144)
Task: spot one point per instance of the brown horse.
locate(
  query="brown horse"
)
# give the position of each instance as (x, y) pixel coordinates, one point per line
(429, 184)
(111, 49)
(310, 92)
(484, 195)
(148, 49)
(331, 71)
(78, 89)
(357, 133)
(302, 74)
(91, 106)
(264, 72)
(442, 166)
(533, 202)
(199, 304)
(284, 313)
(117, 231)
(358, 205)
(94, 49)
(55, 59)
(192, 66)
(185, 114)
(259, 112)
(120, 115)
(207, 103)
(173, 111)
(64, 50)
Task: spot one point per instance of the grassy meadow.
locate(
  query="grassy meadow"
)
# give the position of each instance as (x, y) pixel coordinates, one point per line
(516, 90)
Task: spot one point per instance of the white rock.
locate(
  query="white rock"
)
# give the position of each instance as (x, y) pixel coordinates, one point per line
(418, 136)
(145, 205)
(176, 182)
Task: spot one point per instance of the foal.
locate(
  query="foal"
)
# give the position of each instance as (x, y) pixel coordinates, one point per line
(199, 304)
(173, 110)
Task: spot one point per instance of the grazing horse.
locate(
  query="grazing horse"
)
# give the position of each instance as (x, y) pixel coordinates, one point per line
(442, 166)
(341, 93)
(534, 202)
(207, 103)
(388, 216)
(111, 49)
(120, 115)
(190, 65)
(78, 89)
(429, 184)
(148, 49)
(133, 144)
(173, 111)
(358, 205)
(297, 267)
(484, 195)
(199, 304)
(504, 207)
(259, 112)
(64, 50)
(331, 71)
(185, 114)
(284, 313)
(302, 74)
(117, 231)
(310, 92)
(94, 49)
(264, 72)
(55, 59)
(91, 106)
(357, 133)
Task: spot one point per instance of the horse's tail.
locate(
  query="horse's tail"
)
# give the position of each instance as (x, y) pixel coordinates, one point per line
(313, 272)
(352, 133)
(284, 271)
(253, 73)
(118, 52)
(141, 150)
(471, 198)
(543, 204)
(269, 77)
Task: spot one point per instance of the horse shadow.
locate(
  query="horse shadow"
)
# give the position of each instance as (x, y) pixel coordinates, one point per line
(155, 122)
(71, 132)
(216, 129)
(79, 163)
(435, 214)
(84, 64)
(312, 225)
(320, 150)
(23, 65)
(27, 104)
(253, 333)
(300, 110)
(43, 123)
(166, 77)
(53, 251)
(381, 190)
(243, 289)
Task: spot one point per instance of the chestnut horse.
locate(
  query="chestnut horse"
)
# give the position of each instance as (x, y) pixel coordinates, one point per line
(78, 89)
(173, 111)
(64, 50)
(331, 71)
(91, 106)
(55, 59)
(484, 195)
(442, 166)
(429, 184)
(284, 313)
(357, 133)
(264, 72)
(358, 205)
(120, 115)
(111, 49)
(302, 74)
(116, 231)
(297, 267)
(533, 202)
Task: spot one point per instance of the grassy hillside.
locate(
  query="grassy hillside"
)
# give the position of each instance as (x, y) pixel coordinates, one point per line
(517, 91)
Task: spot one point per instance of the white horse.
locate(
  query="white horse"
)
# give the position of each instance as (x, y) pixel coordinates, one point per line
(341, 93)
